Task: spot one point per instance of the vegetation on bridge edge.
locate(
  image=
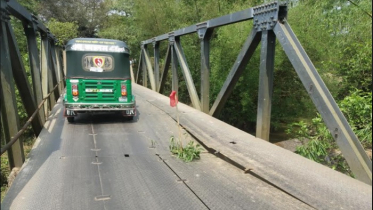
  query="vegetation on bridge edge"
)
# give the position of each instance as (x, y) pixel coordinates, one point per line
(188, 153)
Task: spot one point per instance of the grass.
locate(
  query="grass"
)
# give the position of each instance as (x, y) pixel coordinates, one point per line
(188, 153)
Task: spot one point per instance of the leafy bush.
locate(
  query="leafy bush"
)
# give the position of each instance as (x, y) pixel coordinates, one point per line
(64, 31)
(321, 147)
(357, 107)
(316, 139)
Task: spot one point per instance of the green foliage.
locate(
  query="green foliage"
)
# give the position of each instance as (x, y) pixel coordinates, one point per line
(357, 107)
(315, 150)
(337, 36)
(321, 147)
(87, 14)
(318, 144)
(4, 175)
(188, 153)
(63, 31)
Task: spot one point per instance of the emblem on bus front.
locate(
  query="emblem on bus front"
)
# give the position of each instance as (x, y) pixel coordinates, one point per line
(99, 61)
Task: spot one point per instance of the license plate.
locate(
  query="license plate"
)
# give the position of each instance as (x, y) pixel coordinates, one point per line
(123, 99)
(130, 112)
(70, 112)
(89, 90)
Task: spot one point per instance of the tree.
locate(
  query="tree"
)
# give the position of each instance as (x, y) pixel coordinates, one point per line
(88, 14)
(63, 31)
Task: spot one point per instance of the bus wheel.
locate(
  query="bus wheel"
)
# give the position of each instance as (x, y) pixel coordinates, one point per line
(129, 118)
(70, 119)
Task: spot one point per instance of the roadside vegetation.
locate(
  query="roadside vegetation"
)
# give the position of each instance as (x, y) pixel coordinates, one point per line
(336, 34)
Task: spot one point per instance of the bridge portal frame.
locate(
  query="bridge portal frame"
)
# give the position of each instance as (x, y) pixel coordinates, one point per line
(270, 22)
(46, 74)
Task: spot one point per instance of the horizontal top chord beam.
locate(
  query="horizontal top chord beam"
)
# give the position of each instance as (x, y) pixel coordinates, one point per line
(18, 11)
(213, 23)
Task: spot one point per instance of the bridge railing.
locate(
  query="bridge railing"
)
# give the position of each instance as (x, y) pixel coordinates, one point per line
(46, 73)
(270, 21)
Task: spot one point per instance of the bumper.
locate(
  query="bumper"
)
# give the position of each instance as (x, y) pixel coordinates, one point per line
(71, 109)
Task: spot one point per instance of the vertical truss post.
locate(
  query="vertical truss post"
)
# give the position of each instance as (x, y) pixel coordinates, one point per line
(21, 79)
(64, 63)
(60, 69)
(337, 124)
(45, 73)
(156, 64)
(55, 74)
(139, 68)
(175, 80)
(187, 75)
(131, 70)
(35, 66)
(243, 58)
(59, 75)
(143, 66)
(9, 112)
(267, 58)
(51, 76)
(204, 35)
(165, 69)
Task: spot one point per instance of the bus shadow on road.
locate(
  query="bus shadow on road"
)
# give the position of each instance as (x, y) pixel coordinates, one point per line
(105, 118)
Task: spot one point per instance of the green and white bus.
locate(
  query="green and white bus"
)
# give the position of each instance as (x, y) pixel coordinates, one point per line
(98, 78)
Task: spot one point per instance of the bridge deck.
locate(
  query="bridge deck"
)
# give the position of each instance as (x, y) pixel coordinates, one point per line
(105, 162)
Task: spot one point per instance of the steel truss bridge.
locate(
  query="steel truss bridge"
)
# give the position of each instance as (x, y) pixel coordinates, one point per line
(105, 162)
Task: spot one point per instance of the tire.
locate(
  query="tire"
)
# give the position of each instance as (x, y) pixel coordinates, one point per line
(70, 119)
(129, 118)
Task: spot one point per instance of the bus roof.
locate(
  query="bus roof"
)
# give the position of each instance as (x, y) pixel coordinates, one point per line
(97, 45)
